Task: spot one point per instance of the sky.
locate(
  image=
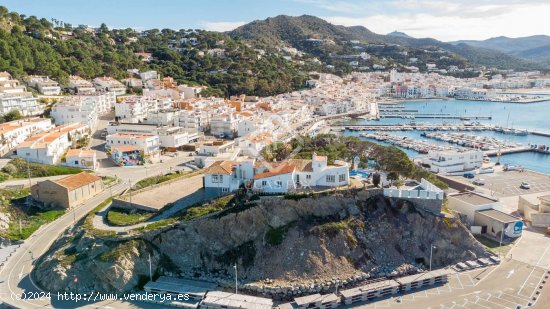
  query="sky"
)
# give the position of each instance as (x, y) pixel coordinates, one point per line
(445, 20)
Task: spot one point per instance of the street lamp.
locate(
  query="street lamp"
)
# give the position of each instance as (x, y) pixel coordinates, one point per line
(431, 255)
(150, 269)
(236, 282)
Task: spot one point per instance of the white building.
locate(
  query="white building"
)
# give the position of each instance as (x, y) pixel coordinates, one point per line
(109, 84)
(228, 176)
(49, 147)
(14, 96)
(80, 85)
(175, 137)
(297, 174)
(224, 125)
(81, 158)
(147, 75)
(453, 161)
(15, 132)
(148, 144)
(84, 109)
(468, 203)
(44, 85)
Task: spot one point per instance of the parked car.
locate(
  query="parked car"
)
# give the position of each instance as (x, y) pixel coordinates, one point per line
(469, 175)
(478, 182)
(525, 186)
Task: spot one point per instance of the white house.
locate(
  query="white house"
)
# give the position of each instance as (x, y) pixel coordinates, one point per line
(228, 176)
(81, 158)
(83, 108)
(453, 161)
(299, 174)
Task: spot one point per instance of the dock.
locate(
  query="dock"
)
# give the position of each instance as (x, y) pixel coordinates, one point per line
(434, 116)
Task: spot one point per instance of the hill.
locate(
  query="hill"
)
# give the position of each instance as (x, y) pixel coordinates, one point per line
(534, 48)
(322, 39)
(293, 242)
(29, 45)
(399, 34)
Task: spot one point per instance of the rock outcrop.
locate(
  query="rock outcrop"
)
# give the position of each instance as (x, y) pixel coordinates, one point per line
(281, 247)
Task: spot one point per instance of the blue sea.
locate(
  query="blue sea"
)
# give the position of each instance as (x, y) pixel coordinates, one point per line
(533, 116)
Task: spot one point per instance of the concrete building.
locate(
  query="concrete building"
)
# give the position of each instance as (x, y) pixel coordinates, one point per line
(535, 208)
(67, 192)
(14, 96)
(453, 161)
(44, 85)
(423, 194)
(148, 144)
(80, 86)
(298, 174)
(228, 176)
(16, 132)
(81, 158)
(468, 203)
(49, 147)
(493, 223)
(109, 84)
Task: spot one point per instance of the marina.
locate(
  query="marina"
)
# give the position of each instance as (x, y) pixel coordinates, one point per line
(525, 127)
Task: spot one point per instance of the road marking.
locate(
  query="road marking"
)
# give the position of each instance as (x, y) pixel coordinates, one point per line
(534, 267)
(510, 273)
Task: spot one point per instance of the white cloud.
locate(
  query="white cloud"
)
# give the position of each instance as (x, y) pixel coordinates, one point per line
(478, 22)
(221, 25)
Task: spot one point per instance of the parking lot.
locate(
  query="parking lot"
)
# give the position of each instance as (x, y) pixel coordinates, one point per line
(505, 184)
(518, 282)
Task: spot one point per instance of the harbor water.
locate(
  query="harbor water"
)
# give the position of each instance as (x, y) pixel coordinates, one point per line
(533, 117)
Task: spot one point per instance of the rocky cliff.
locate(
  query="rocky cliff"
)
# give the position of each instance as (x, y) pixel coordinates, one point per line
(281, 247)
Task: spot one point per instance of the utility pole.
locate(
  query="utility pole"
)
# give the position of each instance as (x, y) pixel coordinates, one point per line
(236, 282)
(74, 216)
(150, 269)
(20, 228)
(29, 174)
(130, 190)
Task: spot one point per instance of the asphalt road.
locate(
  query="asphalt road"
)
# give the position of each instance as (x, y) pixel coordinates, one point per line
(515, 282)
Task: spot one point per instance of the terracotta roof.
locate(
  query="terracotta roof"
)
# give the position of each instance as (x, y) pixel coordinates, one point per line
(78, 180)
(80, 153)
(284, 168)
(220, 167)
(302, 165)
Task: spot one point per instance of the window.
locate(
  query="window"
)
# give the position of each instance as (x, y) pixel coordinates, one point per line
(331, 178)
(76, 162)
(264, 183)
(279, 183)
(342, 177)
(214, 178)
(308, 177)
(221, 178)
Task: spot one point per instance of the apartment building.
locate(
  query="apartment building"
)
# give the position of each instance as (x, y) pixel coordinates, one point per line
(15, 132)
(224, 125)
(14, 96)
(84, 109)
(80, 86)
(44, 85)
(148, 144)
(109, 84)
(49, 147)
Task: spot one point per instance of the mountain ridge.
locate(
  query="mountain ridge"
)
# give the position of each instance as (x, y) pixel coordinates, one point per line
(294, 29)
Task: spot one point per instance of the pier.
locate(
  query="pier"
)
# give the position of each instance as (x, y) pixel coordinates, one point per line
(435, 116)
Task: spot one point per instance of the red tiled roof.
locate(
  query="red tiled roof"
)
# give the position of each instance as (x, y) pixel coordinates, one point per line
(220, 168)
(285, 168)
(78, 180)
